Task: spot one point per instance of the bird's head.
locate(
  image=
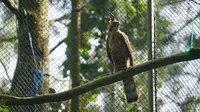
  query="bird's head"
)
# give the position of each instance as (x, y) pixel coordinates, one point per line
(113, 23)
(114, 26)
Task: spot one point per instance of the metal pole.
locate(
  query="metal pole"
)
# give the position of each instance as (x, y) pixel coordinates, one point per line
(149, 43)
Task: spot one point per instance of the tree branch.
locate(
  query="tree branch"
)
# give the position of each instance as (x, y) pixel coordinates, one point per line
(173, 100)
(12, 100)
(62, 41)
(4, 66)
(8, 39)
(64, 17)
(10, 5)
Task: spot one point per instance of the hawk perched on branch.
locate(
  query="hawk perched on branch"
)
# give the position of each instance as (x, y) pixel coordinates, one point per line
(120, 54)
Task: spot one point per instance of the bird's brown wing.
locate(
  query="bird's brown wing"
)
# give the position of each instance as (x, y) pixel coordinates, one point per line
(125, 41)
(129, 83)
(107, 50)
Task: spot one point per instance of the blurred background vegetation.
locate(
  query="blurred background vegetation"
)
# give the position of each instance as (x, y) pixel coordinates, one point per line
(176, 86)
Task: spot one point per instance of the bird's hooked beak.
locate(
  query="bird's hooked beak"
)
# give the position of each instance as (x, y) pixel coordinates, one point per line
(116, 23)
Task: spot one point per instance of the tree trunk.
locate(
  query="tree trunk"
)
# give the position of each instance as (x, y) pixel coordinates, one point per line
(74, 44)
(33, 34)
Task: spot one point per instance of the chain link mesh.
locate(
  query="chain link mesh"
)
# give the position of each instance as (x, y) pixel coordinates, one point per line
(176, 86)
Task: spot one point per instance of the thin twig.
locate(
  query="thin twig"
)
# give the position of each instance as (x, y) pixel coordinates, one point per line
(4, 66)
(64, 17)
(173, 100)
(62, 41)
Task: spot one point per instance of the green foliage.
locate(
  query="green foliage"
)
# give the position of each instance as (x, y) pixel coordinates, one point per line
(132, 15)
(8, 38)
(87, 98)
(4, 109)
(133, 108)
(94, 98)
(9, 35)
(94, 62)
(94, 25)
(162, 76)
(159, 85)
(85, 45)
(162, 31)
(172, 70)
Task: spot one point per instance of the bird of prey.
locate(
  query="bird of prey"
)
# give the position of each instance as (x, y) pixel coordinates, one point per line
(120, 54)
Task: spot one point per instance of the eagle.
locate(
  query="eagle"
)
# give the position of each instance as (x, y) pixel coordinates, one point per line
(120, 53)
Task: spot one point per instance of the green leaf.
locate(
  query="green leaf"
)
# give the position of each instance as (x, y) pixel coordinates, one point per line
(131, 12)
(159, 84)
(94, 97)
(5, 109)
(161, 36)
(162, 76)
(166, 23)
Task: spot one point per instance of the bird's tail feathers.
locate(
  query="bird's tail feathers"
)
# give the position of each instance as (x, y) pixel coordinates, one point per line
(130, 90)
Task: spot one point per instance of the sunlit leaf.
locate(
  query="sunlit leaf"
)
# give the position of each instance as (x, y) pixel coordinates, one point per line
(159, 84)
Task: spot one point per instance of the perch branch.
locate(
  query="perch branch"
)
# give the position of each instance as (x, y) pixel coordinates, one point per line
(180, 57)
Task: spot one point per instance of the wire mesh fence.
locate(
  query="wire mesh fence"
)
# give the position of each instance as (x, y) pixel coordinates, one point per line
(177, 84)
(27, 69)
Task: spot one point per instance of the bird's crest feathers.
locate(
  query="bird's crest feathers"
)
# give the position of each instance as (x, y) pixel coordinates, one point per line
(112, 21)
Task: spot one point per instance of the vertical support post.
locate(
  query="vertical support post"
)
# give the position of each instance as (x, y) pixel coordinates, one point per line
(149, 43)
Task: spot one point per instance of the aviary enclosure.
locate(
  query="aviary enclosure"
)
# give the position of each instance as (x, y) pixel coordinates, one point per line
(53, 56)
